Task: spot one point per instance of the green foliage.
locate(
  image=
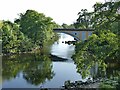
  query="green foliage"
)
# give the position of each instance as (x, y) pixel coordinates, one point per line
(104, 17)
(13, 40)
(112, 84)
(36, 26)
(1, 24)
(27, 33)
(105, 14)
(99, 46)
(84, 19)
(65, 26)
(103, 45)
(107, 87)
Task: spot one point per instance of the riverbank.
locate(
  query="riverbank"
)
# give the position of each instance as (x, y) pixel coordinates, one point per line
(36, 51)
(99, 83)
(80, 84)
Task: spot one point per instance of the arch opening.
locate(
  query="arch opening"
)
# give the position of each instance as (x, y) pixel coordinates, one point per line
(75, 38)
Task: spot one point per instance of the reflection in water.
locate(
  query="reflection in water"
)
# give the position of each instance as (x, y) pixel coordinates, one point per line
(36, 68)
(61, 49)
(35, 71)
(96, 68)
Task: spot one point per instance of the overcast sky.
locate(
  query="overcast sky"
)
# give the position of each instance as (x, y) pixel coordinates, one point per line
(62, 11)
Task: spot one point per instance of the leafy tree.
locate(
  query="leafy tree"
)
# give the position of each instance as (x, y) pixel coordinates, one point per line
(27, 33)
(36, 26)
(13, 40)
(8, 36)
(103, 45)
(105, 14)
(1, 37)
(84, 19)
(99, 46)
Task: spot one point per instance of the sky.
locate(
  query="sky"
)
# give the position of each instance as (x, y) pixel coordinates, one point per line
(62, 11)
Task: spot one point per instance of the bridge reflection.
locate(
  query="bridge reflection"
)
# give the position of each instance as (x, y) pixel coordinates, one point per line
(78, 34)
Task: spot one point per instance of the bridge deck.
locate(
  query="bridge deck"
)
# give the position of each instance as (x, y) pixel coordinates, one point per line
(61, 29)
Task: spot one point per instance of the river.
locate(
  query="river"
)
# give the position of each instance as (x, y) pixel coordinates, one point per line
(16, 73)
(41, 71)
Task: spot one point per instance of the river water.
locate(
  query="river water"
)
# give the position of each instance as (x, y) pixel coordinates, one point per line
(24, 71)
(41, 71)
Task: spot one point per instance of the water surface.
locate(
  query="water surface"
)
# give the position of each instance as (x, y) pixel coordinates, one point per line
(35, 71)
(40, 71)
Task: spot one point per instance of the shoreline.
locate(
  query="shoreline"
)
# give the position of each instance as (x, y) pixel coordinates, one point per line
(80, 84)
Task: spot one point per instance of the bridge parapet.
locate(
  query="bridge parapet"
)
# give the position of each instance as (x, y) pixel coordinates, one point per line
(72, 29)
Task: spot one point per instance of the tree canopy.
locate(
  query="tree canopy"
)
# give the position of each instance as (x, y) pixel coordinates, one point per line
(103, 45)
(30, 31)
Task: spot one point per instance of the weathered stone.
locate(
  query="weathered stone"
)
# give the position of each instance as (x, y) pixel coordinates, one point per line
(72, 83)
(88, 81)
(67, 84)
(79, 82)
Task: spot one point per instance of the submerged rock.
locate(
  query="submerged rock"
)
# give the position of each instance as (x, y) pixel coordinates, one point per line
(56, 58)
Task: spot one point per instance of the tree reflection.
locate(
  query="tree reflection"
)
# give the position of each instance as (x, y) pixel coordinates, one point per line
(35, 68)
(11, 66)
(38, 72)
(96, 69)
(88, 66)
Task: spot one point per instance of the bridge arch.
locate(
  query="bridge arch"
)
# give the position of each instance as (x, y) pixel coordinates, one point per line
(75, 38)
(78, 34)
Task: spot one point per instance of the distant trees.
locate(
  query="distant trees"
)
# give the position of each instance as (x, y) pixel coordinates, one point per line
(30, 31)
(65, 26)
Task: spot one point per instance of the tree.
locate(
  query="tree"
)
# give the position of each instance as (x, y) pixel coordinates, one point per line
(36, 26)
(103, 45)
(100, 47)
(105, 14)
(84, 19)
(13, 39)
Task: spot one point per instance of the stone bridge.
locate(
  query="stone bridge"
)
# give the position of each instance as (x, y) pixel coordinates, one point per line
(78, 34)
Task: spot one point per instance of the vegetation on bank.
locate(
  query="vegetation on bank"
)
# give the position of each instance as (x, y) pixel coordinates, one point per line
(30, 32)
(36, 68)
(33, 30)
(103, 46)
(113, 83)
